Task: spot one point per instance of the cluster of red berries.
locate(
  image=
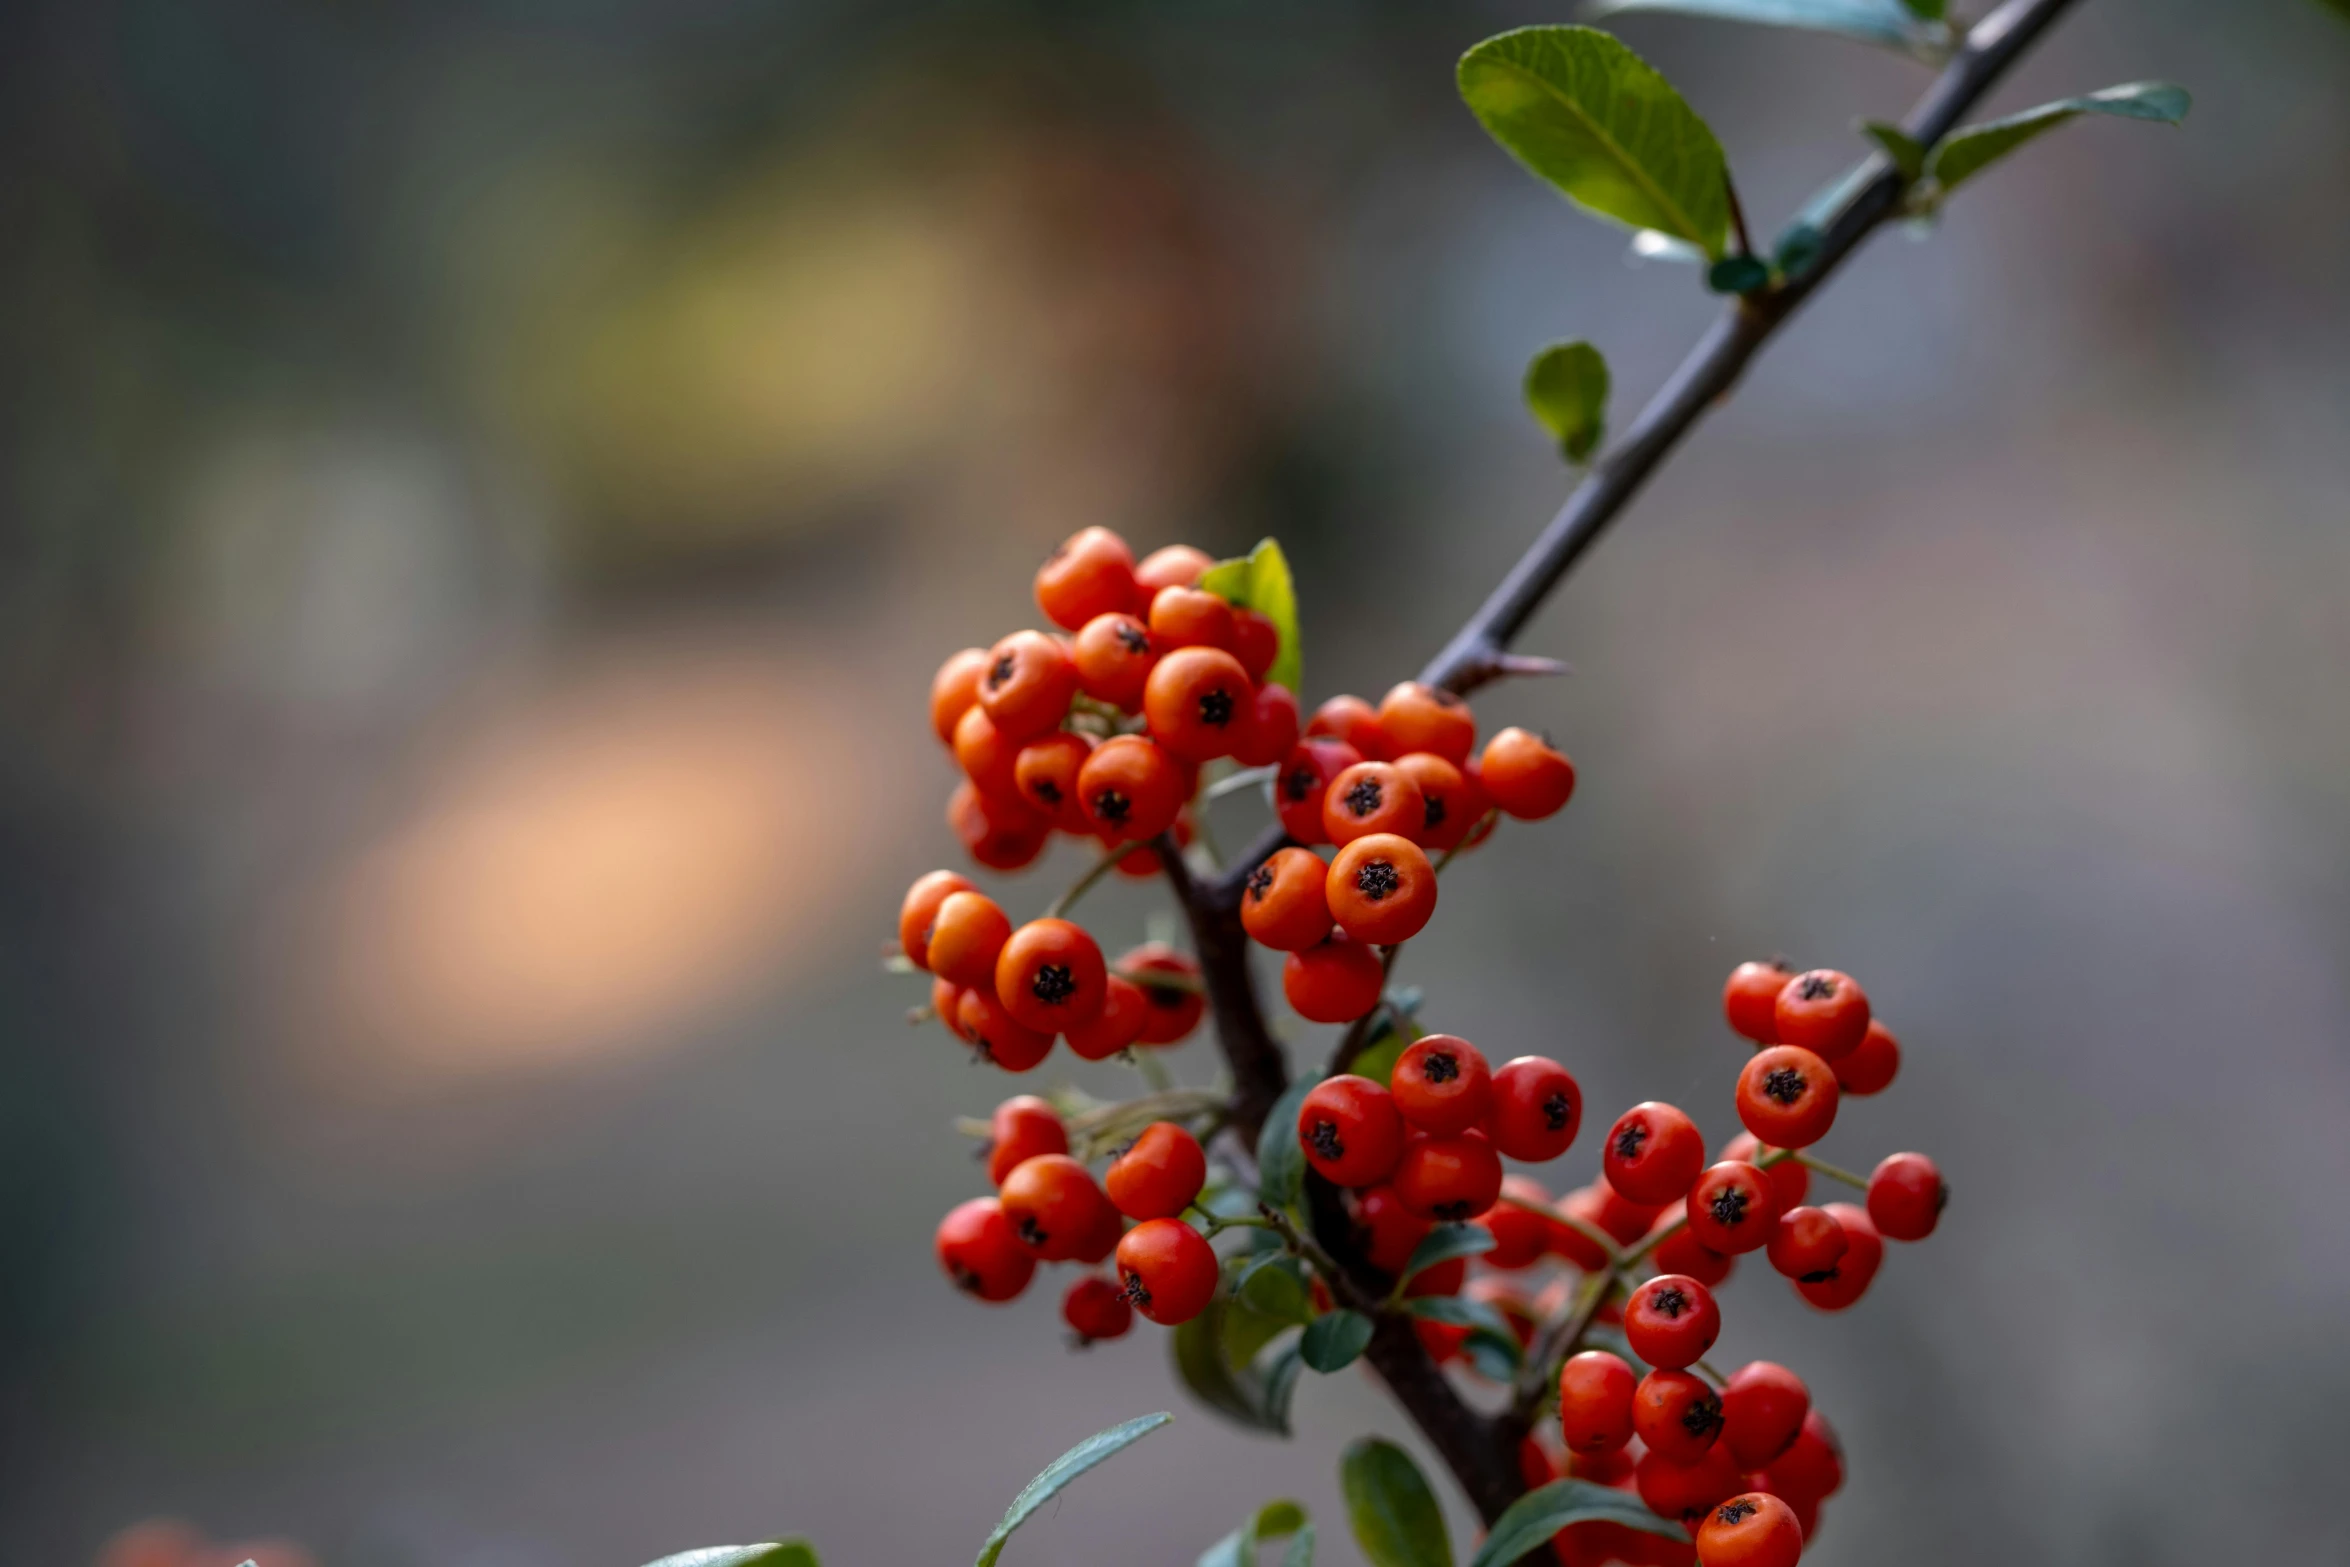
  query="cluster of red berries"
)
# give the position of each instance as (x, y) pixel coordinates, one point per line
(1049, 1208)
(1745, 1464)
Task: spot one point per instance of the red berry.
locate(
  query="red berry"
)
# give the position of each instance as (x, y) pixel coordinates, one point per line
(1092, 573)
(1595, 1402)
(1381, 889)
(1054, 1205)
(1271, 729)
(1537, 1109)
(1754, 1529)
(1045, 773)
(1199, 702)
(1849, 1278)
(1353, 720)
(1389, 1231)
(1807, 1244)
(1762, 1411)
(1584, 1203)
(1170, 1272)
(1108, 1230)
(954, 691)
(1416, 717)
(1450, 805)
(1256, 642)
(1824, 1012)
(1027, 684)
(1520, 1236)
(1160, 1175)
(978, 1249)
(1304, 779)
(1175, 566)
(1525, 775)
(967, 931)
(1677, 1415)
(1096, 1309)
(1170, 983)
(1787, 1096)
(1335, 982)
(1021, 1128)
(1351, 1131)
(1870, 1067)
(1788, 1178)
(1671, 1321)
(1442, 1085)
(1114, 657)
(1187, 617)
(1050, 976)
(988, 756)
(1682, 1252)
(921, 907)
(996, 1036)
(1688, 1491)
(1906, 1196)
(1448, 1177)
(1130, 788)
(1751, 998)
(1125, 1011)
(1283, 903)
(1372, 797)
(1813, 1468)
(1653, 1152)
(1001, 833)
(1623, 1218)
(1733, 1208)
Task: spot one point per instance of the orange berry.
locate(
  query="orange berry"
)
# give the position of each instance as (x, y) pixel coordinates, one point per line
(954, 689)
(1028, 683)
(1001, 834)
(1199, 703)
(1353, 720)
(1372, 797)
(1283, 904)
(1125, 1009)
(1050, 976)
(930, 889)
(1091, 573)
(1045, 773)
(1130, 788)
(996, 1035)
(1054, 1204)
(1416, 717)
(1170, 983)
(1187, 617)
(1256, 641)
(1753, 1529)
(1114, 655)
(1336, 982)
(1301, 786)
(1271, 729)
(1525, 775)
(1175, 566)
(967, 930)
(1381, 889)
(1451, 806)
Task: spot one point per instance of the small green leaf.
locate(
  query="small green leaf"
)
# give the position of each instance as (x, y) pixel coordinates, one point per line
(1273, 1521)
(1584, 112)
(1541, 1513)
(1334, 1340)
(1798, 248)
(1062, 1470)
(1215, 1357)
(1886, 23)
(1260, 581)
(1389, 1506)
(1965, 153)
(1280, 1379)
(1377, 1062)
(1496, 1356)
(1458, 1311)
(1444, 1243)
(1566, 387)
(1301, 1549)
(1737, 275)
(782, 1553)
(1281, 1158)
(1276, 1288)
(1898, 145)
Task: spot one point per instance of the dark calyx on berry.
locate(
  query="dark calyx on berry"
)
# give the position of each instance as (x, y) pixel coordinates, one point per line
(1737, 1510)
(1053, 984)
(1365, 796)
(1628, 1140)
(1433, 816)
(1670, 1301)
(1215, 707)
(1048, 791)
(1168, 996)
(1451, 1212)
(1554, 1111)
(1702, 1415)
(1300, 782)
(1729, 1206)
(1440, 1067)
(966, 1279)
(1260, 882)
(1326, 1141)
(1376, 879)
(1001, 671)
(1111, 806)
(1816, 987)
(1135, 1291)
(1785, 1084)
(1032, 1232)
(1133, 638)
(1819, 1276)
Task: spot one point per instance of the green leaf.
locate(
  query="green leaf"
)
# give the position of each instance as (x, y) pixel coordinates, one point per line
(782, 1553)
(1886, 23)
(1260, 581)
(1496, 1356)
(1527, 1523)
(1444, 1243)
(1390, 1508)
(1965, 153)
(1458, 1311)
(1281, 1158)
(1273, 1521)
(1566, 387)
(1377, 1062)
(1334, 1340)
(1926, 10)
(1301, 1549)
(1798, 248)
(1215, 1357)
(1737, 275)
(1276, 1288)
(1594, 119)
(1907, 155)
(1062, 1470)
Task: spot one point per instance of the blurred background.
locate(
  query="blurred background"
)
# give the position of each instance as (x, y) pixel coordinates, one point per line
(487, 485)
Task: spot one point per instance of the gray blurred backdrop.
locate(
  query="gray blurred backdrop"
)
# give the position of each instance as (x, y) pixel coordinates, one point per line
(487, 484)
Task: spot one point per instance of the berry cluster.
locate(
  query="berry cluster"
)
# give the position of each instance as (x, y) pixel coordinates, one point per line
(1743, 1460)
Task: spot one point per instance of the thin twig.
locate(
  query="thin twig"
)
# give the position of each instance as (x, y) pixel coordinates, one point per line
(1084, 884)
(1830, 1171)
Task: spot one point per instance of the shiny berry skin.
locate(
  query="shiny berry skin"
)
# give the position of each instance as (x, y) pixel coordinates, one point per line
(1869, 1069)
(1682, 1252)
(1160, 1175)
(1299, 787)
(1336, 982)
(988, 756)
(1114, 656)
(1371, 797)
(1125, 1011)
(1045, 774)
(1671, 1321)
(1021, 1128)
(967, 931)
(1448, 1178)
(1176, 566)
(1520, 1237)
(1752, 1529)
(1090, 574)
(1353, 720)
(1108, 1230)
(1807, 1244)
(1733, 1208)
(979, 1250)
(1001, 834)
(1351, 1131)
(1169, 1271)
(954, 691)
(1442, 1085)
(1130, 788)
(920, 907)
(1787, 1096)
(1750, 1000)
(1763, 1407)
(1813, 1468)
(1416, 717)
(1050, 976)
(1198, 702)
(1187, 617)
(1390, 1232)
(1096, 1309)
(1688, 1491)
(1652, 1153)
(1849, 1278)
(995, 1035)
(1525, 775)
(1824, 1012)
(1175, 1008)
(1537, 1109)
(1789, 1179)
(1054, 1204)
(1677, 1415)
(1566, 1241)
(1283, 903)
(1256, 642)
(1027, 684)
(1271, 730)
(946, 1002)
(1450, 805)
(1381, 889)
(1906, 1196)
(1595, 1402)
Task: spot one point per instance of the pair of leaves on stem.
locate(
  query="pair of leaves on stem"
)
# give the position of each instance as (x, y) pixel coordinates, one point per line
(1393, 1512)
(1965, 153)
